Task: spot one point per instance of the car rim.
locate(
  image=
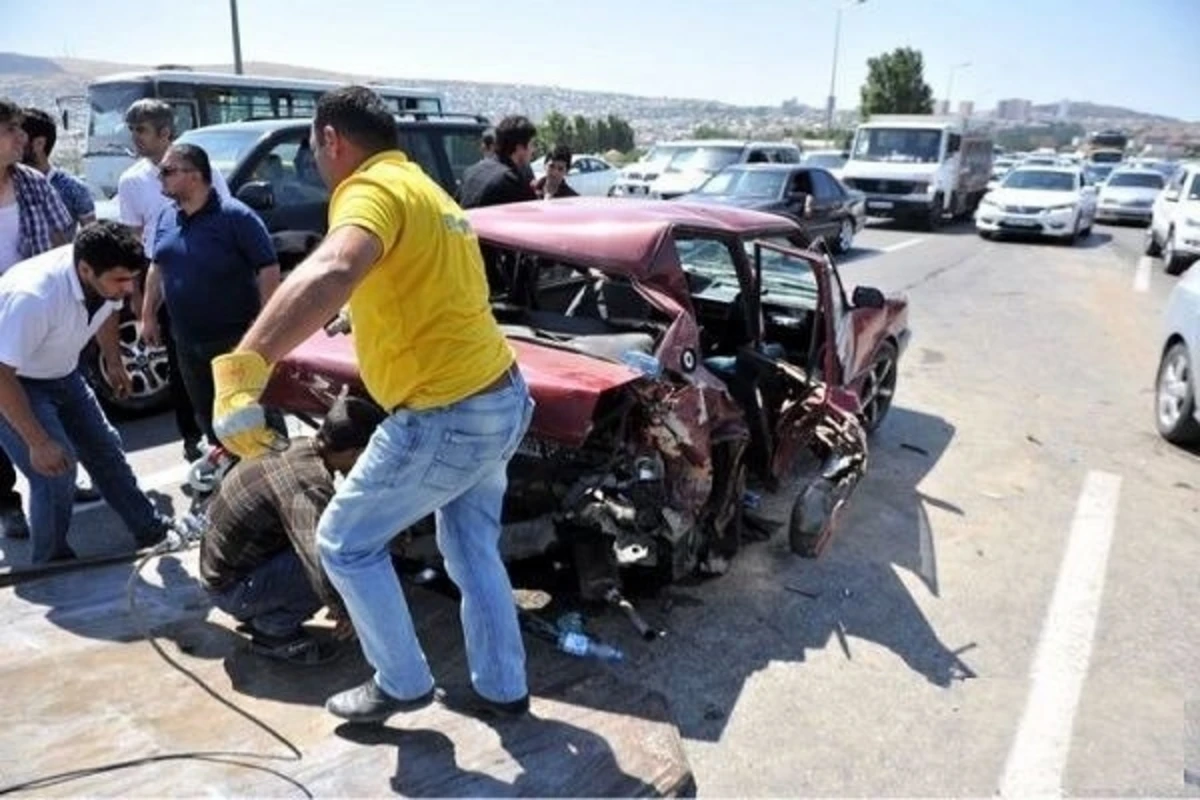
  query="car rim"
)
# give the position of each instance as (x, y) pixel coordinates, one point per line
(878, 389)
(1173, 390)
(845, 236)
(147, 366)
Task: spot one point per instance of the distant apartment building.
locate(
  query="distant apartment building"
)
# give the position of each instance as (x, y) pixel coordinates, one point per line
(966, 108)
(1014, 110)
(942, 107)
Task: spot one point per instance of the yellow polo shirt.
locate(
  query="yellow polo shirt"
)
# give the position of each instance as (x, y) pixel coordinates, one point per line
(424, 332)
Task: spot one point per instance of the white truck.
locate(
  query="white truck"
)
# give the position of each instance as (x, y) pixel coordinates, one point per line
(919, 167)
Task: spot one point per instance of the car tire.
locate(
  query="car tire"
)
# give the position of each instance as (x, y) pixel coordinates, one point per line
(147, 366)
(933, 220)
(1175, 397)
(1151, 247)
(878, 387)
(988, 235)
(845, 238)
(1173, 262)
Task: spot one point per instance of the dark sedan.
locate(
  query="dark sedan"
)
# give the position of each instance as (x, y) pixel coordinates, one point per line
(811, 196)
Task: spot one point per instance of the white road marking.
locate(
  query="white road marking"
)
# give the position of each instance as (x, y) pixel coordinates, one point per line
(1141, 278)
(1038, 757)
(891, 248)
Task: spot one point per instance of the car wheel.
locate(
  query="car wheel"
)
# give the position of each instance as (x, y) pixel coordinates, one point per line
(1175, 397)
(933, 220)
(1173, 262)
(875, 396)
(1151, 246)
(147, 367)
(845, 237)
(987, 235)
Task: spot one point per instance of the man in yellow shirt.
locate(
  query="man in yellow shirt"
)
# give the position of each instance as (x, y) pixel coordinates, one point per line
(403, 255)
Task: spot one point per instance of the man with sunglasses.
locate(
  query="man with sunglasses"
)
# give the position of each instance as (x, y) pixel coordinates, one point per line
(214, 266)
(140, 195)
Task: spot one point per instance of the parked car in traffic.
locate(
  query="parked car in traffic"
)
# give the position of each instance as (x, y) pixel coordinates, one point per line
(269, 166)
(1174, 231)
(1041, 201)
(818, 202)
(1128, 195)
(589, 175)
(1175, 412)
(697, 161)
(678, 354)
(832, 160)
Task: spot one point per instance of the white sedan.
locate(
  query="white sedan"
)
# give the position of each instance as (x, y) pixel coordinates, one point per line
(589, 175)
(1175, 411)
(1039, 201)
(1128, 195)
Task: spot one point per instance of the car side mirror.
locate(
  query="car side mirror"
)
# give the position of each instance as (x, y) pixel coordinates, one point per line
(867, 297)
(1172, 196)
(258, 195)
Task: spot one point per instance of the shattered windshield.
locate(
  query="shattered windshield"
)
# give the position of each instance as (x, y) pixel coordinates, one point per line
(906, 145)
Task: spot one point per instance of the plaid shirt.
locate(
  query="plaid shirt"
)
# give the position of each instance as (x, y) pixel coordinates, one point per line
(41, 210)
(263, 507)
(73, 192)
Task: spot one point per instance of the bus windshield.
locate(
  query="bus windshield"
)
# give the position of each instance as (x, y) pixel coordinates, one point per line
(106, 121)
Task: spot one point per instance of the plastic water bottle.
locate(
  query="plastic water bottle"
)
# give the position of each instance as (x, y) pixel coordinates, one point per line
(644, 363)
(582, 645)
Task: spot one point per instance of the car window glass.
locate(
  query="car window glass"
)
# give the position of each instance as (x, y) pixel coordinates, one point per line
(291, 171)
(1194, 193)
(418, 146)
(802, 182)
(825, 186)
(462, 150)
(707, 256)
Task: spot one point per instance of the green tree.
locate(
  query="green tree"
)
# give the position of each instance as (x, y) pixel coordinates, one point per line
(585, 135)
(896, 84)
(555, 129)
(707, 131)
(622, 134)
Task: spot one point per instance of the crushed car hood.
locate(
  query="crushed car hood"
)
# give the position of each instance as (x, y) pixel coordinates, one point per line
(566, 386)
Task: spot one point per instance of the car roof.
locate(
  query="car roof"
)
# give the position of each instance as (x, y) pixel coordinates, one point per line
(1070, 170)
(1137, 171)
(770, 166)
(614, 234)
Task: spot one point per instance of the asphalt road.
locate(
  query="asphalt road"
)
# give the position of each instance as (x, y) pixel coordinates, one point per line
(1011, 604)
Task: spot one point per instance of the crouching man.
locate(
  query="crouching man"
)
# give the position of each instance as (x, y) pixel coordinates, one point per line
(51, 305)
(258, 552)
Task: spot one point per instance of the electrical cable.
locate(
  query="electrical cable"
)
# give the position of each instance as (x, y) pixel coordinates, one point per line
(231, 758)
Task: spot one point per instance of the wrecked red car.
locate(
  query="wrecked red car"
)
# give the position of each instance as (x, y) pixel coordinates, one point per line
(678, 355)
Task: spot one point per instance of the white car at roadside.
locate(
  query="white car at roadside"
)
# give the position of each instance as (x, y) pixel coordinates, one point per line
(589, 175)
(1174, 231)
(1175, 412)
(1039, 201)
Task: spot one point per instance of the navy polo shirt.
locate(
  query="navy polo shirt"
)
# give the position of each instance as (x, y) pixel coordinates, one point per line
(209, 264)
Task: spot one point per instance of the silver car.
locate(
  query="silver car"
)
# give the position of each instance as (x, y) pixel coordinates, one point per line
(1175, 411)
(1128, 195)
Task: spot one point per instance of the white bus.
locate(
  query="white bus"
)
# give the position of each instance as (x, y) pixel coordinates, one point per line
(206, 98)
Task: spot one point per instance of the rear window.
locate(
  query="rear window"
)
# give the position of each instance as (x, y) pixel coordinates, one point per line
(1138, 180)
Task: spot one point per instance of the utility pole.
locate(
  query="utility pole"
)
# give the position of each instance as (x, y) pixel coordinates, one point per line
(831, 103)
(237, 38)
(950, 83)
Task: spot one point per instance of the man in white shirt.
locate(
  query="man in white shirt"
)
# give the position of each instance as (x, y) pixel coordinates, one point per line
(140, 197)
(50, 307)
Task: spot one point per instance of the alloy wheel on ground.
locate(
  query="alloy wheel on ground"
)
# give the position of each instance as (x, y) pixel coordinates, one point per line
(148, 370)
(845, 238)
(1174, 399)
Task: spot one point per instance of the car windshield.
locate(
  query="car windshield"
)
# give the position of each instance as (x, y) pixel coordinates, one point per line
(1041, 179)
(911, 145)
(827, 160)
(746, 183)
(1140, 180)
(1194, 194)
(1103, 157)
(704, 159)
(224, 148)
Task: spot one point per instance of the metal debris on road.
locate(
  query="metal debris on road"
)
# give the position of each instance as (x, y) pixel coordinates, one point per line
(914, 448)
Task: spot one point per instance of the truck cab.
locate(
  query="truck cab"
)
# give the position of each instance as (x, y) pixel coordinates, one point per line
(919, 168)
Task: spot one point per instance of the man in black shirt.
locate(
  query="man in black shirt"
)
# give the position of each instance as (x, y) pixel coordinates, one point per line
(506, 178)
(258, 552)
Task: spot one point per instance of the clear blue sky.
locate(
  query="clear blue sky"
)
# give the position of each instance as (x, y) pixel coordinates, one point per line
(1143, 55)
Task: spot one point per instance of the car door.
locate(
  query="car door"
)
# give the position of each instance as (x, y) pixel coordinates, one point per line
(1164, 205)
(280, 181)
(582, 176)
(830, 205)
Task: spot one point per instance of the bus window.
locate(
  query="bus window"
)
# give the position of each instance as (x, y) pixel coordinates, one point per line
(222, 104)
(184, 114)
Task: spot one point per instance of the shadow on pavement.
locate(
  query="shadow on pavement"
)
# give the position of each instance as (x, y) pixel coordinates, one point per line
(1095, 240)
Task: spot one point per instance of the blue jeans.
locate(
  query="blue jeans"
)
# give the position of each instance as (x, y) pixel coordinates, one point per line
(275, 598)
(67, 409)
(453, 462)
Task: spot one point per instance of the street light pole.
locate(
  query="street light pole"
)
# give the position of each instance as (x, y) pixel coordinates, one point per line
(237, 38)
(837, 38)
(950, 82)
